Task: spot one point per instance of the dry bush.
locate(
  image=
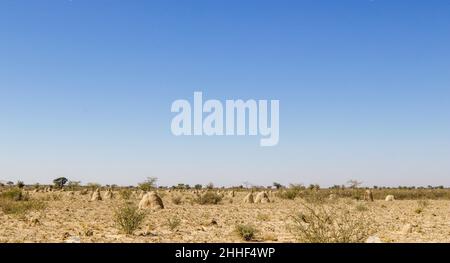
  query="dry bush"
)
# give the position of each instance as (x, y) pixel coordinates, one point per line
(315, 197)
(129, 218)
(20, 207)
(381, 193)
(331, 223)
(173, 223)
(246, 232)
(177, 200)
(290, 194)
(421, 205)
(13, 201)
(361, 207)
(125, 194)
(208, 198)
(14, 194)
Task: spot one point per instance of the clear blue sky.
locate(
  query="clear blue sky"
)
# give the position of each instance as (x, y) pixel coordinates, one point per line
(364, 88)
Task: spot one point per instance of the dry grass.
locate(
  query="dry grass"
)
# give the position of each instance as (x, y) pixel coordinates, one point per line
(14, 201)
(331, 224)
(173, 223)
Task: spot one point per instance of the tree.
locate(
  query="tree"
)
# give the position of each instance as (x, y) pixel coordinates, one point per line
(198, 186)
(73, 185)
(277, 185)
(148, 184)
(210, 186)
(353, 184)
(20, 184)
(60, 182)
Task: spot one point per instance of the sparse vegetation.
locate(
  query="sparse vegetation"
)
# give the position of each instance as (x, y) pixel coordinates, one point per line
(361, 207)
(313, 214)
(173, 223)
(208, 198)
(290, 194)
(331, 224)
(177, 200)
(13, 201)
(14, 194)
(421, 205)
(125, 194)
(129, 218)
(246, 231)
(148, 184)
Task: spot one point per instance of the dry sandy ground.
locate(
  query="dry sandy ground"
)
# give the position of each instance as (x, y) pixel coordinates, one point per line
(75, 216)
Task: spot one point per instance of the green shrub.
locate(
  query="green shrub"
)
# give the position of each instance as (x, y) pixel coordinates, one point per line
(208, 198)
(173, 223)
(246, 232)
(129, 218)
(20, 207)
(290, 194)
(125, 194)
(14, 194)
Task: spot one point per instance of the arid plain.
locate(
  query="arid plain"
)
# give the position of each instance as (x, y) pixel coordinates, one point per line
(224, 215)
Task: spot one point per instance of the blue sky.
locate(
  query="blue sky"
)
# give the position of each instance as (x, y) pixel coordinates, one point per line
(364, 89)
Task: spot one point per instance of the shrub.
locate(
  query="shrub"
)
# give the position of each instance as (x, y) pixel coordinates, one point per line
(421, 205)
(129, 218)
(148, 184)
(125, 194)
(20, 184)
(13, 201)
(290, 194)
(360, 207)
(246, 232)
(173, 223)
(208, 198)
(331, 224)
(20, 207)
(176, 200)
(14, 194)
